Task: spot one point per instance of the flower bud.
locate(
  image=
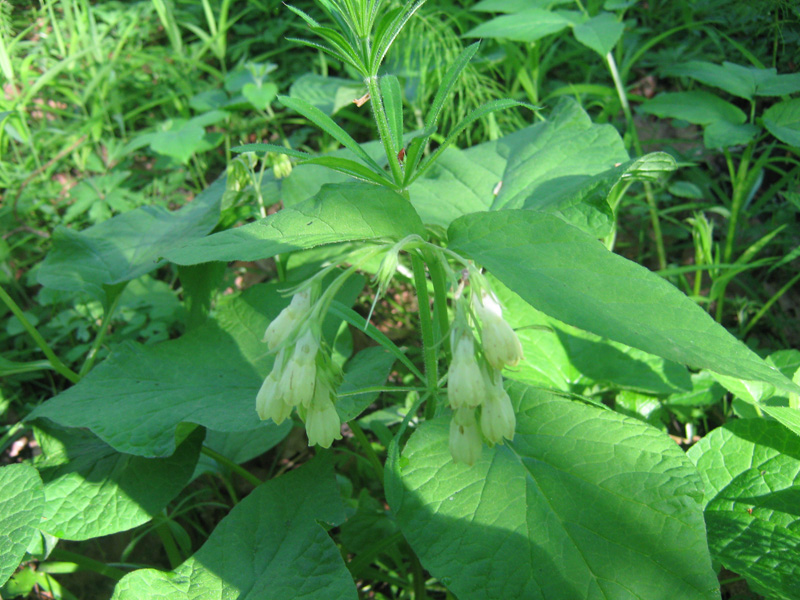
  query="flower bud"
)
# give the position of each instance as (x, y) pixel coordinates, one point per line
(501, 346)
(269, 405)
(322, 421)
(300, 374)
(497, 414)
(465, 383)
(281, 166)
(465, 439)
(288, 320)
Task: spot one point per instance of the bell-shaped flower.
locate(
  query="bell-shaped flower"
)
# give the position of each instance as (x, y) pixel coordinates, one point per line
(465, 382)
(465, 439)
(269, 404)
(497, 415)
(322, 421)
(300, 373)
(501, 346)
(288, 320)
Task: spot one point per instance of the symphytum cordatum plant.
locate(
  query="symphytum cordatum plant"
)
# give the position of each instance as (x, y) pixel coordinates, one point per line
(504, 476)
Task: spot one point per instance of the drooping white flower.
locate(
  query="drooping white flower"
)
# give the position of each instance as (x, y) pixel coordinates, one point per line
(288, 320)
(269, 405)
(501, 346)
(465, 439)
(300, 373)
(465, 383)
(497, 415)
(322, 421)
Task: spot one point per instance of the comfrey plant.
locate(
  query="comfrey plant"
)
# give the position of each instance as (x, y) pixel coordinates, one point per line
(496, 476)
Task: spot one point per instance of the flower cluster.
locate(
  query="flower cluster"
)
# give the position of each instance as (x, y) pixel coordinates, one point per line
(302, 376)
(476, 382)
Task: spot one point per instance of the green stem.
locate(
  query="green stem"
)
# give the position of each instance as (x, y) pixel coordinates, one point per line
(59, 366)
(101, 335)
(376, 100)
(85, 563)
(367, 447)
(739, 193)
(439, 280)
(227, 462)
(418, 575)
(637, 146)
(170, 547)
(426, 326)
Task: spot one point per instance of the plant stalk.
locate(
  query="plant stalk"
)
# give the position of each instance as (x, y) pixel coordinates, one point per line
(101, 335)
(637, 146)
(59, 366)
(367, 447)
(426, 327)
(232, 466)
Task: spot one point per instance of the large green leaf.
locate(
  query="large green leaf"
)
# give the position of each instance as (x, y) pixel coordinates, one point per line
(557, 158)
(337, 213)
(21, 507)
(564, 273)
(751, 472)
(584, 503)
(269, 546)
(600, 33)
(783, 121)
(92, 490)
(136, 399)
(126, 246)
(525, 26)
(566, 165)
(744, 82)
(328, 94)
(724, 134)
(701, 108)
(368, 369)
(569, 359)
(461, 182)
